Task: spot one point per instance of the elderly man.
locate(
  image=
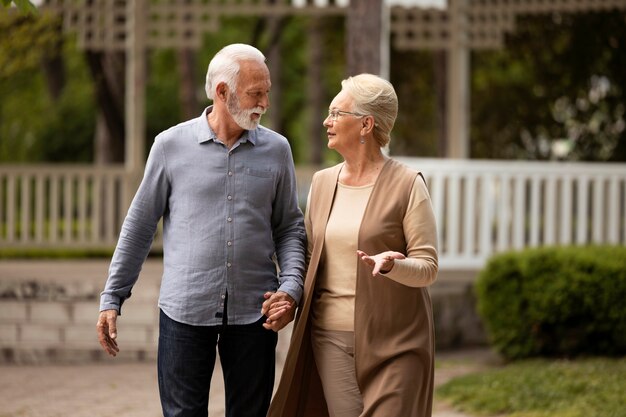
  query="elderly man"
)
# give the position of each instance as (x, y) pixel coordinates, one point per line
(225, 188)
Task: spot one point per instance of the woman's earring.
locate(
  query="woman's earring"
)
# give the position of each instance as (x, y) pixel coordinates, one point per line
(362, 140)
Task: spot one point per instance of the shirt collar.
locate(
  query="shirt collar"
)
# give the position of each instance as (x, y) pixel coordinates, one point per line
(204, 133)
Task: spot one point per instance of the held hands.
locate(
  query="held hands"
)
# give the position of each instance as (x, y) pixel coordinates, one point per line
(279, 308)
(107, 331)
(383, 262)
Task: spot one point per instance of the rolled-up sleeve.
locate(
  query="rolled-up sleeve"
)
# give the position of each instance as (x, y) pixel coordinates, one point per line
(138, 231)
(288, 231)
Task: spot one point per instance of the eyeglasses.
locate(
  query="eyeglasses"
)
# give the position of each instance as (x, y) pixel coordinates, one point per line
(334, 114)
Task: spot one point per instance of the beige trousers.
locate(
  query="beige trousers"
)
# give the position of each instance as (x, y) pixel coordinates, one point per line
(334, 357)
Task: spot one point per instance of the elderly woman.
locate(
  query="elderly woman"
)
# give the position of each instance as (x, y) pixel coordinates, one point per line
(363, 342)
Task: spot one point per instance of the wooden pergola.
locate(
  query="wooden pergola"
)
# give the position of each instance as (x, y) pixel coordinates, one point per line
(135, 26)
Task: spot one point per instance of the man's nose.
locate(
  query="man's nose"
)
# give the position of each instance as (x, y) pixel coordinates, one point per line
(264, 101)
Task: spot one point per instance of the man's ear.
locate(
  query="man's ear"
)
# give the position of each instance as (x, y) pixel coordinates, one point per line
(221, 91)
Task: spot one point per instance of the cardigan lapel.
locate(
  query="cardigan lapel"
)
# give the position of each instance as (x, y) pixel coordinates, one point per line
(324, 188)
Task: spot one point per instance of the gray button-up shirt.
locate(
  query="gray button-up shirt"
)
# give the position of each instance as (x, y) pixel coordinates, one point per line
(228, 215)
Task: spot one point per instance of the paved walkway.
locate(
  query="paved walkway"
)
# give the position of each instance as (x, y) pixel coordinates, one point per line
(112, 388)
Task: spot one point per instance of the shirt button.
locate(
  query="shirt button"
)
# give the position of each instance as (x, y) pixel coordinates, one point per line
(230, 173)
(223, 296)
(230, 219)
(229, 243)
(230, 197)
(228, 264)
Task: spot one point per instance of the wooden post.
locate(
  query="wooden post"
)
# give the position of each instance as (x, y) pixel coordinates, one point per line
(457, 102)
(385, 39)
(135, 93)
(364, 28)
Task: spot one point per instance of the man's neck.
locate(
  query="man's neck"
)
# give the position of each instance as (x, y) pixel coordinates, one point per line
(224, 127)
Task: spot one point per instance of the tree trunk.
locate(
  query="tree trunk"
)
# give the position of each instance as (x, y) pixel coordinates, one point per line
(440, 69)
(189, 105)
(364, 29)
(274, 62)
(107, 70)
(273, 54)
(53, 64)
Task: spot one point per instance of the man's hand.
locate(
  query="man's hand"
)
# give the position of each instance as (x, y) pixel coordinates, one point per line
(279, 309)
(107, 331)
(383, 262)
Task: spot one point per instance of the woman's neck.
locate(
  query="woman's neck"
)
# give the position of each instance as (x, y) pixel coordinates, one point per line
(362, 169)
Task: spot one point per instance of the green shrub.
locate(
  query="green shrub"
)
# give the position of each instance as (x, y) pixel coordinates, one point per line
(563, 301)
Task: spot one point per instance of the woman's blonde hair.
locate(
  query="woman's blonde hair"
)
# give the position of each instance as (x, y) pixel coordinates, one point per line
(374, 96)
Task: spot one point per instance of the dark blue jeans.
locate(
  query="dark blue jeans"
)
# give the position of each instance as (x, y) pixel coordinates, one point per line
(186, 360)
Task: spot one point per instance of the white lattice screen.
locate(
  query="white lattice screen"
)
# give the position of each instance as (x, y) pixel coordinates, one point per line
(101, 24)
(477, 24)
(481, 24)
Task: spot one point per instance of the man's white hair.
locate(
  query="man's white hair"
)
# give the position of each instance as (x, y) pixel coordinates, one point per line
(224, 67)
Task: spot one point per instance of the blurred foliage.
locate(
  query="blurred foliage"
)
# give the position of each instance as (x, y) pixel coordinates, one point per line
(23, 42)
(293, 73)
(416, 131)
(556, 91)
(162, 104)
(24, 6)
(33, 126)
(560, 81)
(555, 301)
(542, 388)
(163, 112)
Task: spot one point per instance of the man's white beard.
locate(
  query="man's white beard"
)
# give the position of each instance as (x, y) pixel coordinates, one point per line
(243, 117)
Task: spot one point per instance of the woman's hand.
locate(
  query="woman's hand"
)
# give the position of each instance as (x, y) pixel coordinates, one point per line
(382, 262)
(279, 309)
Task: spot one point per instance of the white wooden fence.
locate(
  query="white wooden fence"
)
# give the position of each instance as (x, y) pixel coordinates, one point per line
(62, 205)
(482, 207)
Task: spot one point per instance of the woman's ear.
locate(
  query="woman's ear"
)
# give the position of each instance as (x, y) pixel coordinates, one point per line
(368, 125)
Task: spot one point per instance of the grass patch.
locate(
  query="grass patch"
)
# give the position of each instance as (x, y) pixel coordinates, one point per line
(543, 388)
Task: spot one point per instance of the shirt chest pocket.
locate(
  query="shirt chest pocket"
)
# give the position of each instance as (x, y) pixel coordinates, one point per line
(259, 186)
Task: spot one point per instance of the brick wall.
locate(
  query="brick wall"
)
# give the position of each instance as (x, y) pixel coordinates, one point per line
(47, 314)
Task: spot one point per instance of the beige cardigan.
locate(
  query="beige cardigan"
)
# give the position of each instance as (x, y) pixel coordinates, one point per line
(394, 332)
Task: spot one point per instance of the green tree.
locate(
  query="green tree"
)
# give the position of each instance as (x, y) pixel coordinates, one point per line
(42, 118)
(559, 81)
(415, 132)
(25, 6)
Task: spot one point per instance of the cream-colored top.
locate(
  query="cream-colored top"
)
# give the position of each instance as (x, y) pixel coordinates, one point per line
(335, 289)
(334, 301)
